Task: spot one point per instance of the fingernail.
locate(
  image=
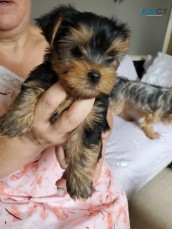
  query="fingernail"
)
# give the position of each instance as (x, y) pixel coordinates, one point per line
(60, 191)
(61, 184)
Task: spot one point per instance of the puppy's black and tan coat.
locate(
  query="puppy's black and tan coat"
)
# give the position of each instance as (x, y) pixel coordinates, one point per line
(142, 102)
(85, 50)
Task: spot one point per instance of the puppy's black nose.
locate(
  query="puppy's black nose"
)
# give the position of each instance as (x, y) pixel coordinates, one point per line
(94, 76)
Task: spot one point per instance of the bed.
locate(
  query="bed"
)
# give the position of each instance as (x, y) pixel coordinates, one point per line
(134, 158)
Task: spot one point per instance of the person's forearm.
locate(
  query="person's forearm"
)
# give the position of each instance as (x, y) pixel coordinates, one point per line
(15, 153)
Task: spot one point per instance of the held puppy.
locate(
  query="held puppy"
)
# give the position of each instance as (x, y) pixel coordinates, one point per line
(146, 103)
(85, 50)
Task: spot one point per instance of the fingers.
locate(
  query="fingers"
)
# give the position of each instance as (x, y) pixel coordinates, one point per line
(61, 184)
(60, 155)
(75, 115)
(45, 133)
(48, 102)
(70, 119)
(109, 117)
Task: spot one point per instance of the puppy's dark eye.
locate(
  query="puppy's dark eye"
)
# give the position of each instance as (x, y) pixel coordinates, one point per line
(110, 59)
(76, 51)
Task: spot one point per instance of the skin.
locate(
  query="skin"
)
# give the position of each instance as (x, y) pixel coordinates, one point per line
(26, 47)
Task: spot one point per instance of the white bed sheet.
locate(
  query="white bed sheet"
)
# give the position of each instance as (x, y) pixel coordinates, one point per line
(134, 158)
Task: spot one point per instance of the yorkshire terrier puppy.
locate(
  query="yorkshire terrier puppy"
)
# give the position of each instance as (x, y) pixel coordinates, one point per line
(84, 53)
(141, 102)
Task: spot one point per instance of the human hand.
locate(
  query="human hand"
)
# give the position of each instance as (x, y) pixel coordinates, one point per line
(18, 151)
(43, 133)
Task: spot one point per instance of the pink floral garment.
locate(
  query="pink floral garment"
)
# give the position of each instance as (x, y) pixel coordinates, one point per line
(29, 198)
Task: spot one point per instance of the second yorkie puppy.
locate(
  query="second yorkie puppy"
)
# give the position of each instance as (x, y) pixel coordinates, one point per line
(144, 103)
(85, 51)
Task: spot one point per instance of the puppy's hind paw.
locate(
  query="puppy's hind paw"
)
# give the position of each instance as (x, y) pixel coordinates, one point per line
(79, 189)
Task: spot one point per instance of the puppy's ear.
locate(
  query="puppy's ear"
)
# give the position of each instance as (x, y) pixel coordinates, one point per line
(50, 22)
(120, 40)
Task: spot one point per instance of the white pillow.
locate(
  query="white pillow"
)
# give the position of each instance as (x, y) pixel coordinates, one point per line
(148, 62)
(160, 71)
(127, 69)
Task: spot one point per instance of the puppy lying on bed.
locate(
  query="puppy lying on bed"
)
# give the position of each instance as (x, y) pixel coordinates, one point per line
(144, 103)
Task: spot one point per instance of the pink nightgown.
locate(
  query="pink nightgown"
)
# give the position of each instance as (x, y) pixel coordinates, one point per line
(29, 198)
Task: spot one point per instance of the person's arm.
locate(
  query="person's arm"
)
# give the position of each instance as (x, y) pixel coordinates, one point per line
(18, 151)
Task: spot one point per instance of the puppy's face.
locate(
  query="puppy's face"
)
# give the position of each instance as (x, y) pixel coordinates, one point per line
(86, 51)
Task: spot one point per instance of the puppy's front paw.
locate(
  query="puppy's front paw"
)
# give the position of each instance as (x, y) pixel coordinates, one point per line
(79, 187)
